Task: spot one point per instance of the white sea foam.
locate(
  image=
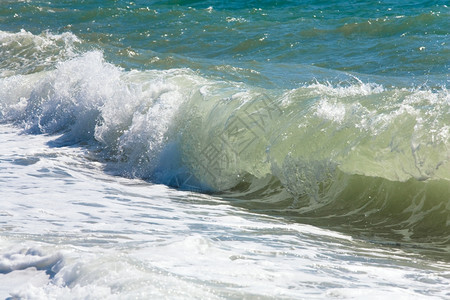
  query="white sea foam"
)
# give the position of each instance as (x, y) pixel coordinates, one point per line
(41, 41)
(116, 238)
(130, 113)
(27, 258)
(356, 89)
(331, 111)
(23, 52)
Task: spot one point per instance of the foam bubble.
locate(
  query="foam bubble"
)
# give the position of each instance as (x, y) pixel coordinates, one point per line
(332, 111)
(343, 90)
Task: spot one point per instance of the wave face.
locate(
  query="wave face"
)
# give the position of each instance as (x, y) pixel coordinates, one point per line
(353, 153)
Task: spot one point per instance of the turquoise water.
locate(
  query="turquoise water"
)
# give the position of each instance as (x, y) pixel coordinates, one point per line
(332, 114)
(280, 39)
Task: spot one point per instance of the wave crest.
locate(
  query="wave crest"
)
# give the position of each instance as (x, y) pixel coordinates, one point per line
(26, 53)
(306, 150)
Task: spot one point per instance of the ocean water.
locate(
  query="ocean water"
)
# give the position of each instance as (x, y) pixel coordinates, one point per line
(224, 149)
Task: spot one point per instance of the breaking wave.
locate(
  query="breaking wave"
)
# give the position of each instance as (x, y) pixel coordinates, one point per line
(354, 153)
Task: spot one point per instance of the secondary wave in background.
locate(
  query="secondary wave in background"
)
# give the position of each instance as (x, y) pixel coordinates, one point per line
(378, 38)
